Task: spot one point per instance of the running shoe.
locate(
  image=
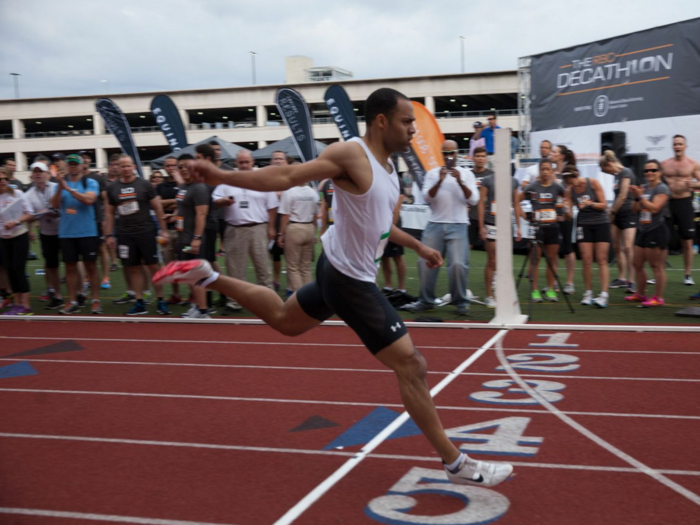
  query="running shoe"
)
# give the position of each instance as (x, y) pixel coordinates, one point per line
(70, 309)
(95, 307)
(81, 299)
(479, 473)
(587, 298)
(113, 268)
(654, 301)
(601, 301)
(23, 310)
(11, 311)
(418, 306)
(688, 280)
(631, 288)
(106, 285)
(651, 281)
(125, 299)
(162, 308)
(636, 298)
(551, 296)
(138, 309)
(55, 303)
(536, 296)
(188, 272)
(233, 306)
(47, 296)
(695, 296)
(463, 311)
(619, 283)
(193, 308)
(569, 289)
(196, 314)
(490, 302)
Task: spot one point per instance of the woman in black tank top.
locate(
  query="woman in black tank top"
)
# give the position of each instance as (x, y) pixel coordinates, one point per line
(592, 232)
(563, 156)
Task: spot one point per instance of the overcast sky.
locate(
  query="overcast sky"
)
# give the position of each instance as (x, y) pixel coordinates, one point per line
(66, 47)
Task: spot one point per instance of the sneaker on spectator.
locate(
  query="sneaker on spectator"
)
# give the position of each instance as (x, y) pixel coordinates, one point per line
(654, 301)
(490, 302)
(174, 300)
(601, 301)
(695, 296)
(81, 299)
(196, 314)
(106, 285)
(688, 280)
(463, 311)
(619, 283)
(418, 306)
(55, 303)
(636, 298)
(536, 296)
(162, 308)
(7, 302)
(651, 281)
(23, 310)
(193, 308)
(126, 298)
(551, 296)
(233, 306)
(138, 309)
(587, 298)
(113, 268)
(95, 307)
(12, 310)
(147, 297)
(48, 294)
(631, 287)
(70, 309)
(569, 289)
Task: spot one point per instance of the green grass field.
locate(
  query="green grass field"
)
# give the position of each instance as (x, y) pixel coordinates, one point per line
(619, 311)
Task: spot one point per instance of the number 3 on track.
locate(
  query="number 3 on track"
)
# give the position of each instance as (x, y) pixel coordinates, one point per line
(482, 505)
(547, 389)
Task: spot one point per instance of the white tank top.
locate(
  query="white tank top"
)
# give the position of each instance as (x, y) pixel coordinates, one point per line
(355, 243)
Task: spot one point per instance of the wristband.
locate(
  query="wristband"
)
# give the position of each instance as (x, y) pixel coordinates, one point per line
(197, 237)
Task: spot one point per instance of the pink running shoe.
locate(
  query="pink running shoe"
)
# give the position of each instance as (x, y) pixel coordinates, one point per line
(636, 298)
(194, 272)
(654, 301)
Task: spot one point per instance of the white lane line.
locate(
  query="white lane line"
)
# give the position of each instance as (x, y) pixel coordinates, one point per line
(654, 474)
(98, 517)
(313, 496)
(338, 453)
(198, 342)
(338, 403)
(333, 369)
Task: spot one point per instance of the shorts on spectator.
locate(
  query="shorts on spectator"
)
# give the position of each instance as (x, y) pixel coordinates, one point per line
(74, 249)
(625, 220)
(392, 250)
(50, 249)
(549, 235)
(594, 233)
(134, 250)
(683, 216)
(657, 238)
(209, 244)
(567, 244)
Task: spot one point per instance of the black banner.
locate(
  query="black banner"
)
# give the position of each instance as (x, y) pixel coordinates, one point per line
(650, 74)
(119, 127)
(168, 118)
(342, 112)
(295, 113)
(414, 166)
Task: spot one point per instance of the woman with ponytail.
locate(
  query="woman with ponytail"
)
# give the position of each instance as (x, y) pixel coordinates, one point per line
(562, 157)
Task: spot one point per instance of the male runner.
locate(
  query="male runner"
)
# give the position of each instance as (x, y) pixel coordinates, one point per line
(366, 194)
(682, 176)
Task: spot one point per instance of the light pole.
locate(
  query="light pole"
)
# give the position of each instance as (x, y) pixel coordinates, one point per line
(15, 75)
(106, 83)
(461, 41)
(252, 63)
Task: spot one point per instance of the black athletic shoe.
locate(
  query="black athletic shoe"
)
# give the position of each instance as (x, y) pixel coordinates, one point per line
(55, 304)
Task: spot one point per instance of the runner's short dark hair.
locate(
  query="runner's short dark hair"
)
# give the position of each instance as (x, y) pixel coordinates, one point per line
(382, 102)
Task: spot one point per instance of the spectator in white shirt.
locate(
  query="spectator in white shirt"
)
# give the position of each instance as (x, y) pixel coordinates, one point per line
(298, 209)
(448, 190)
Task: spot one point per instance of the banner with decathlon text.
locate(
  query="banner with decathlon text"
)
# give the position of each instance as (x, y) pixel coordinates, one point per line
(342, 111)
(296, 116)
(168, 119)
(646, 75)
(119, 127)
(426, 145)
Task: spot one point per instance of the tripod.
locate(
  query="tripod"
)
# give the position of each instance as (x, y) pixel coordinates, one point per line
(532, 246)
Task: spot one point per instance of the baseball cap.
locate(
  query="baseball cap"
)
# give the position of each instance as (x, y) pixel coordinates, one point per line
(478, 124)
(40, 165)
(58, 156)
(73, 157)
(81, 153)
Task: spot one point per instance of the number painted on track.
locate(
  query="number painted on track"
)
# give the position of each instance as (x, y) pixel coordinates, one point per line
(549, 362)
(547, 389)
(482, 505)
(507, 439)
(558, 340)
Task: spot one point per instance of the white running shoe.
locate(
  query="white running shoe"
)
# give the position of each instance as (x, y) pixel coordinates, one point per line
(651, 281)
(688, 280)
(479, 473)
(190, 311)
(569, 289)
(490, 302)
(601, 301)
(587, 298)
(187, 272)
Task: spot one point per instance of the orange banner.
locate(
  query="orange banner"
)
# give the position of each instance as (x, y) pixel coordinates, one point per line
(427, 142)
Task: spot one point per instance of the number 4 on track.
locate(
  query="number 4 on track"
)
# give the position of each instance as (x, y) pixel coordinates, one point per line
(507, 438)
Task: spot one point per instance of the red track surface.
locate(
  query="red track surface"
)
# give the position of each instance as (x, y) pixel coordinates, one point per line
(199, 421)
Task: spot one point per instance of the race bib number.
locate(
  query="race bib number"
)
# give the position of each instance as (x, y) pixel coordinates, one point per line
(123, 251)
(493, 208)
(180, 224)
(128, 208)
(645, 217)
(579, 233)
(490, 232)
(383, 240)
(547, 216)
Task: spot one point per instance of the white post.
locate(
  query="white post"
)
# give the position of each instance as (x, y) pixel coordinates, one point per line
(507, 305)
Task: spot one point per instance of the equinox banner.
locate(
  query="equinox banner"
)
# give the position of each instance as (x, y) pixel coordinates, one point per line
(295, 113)
(341, 111)
(119, 127)
(645, 75)
(168, 118)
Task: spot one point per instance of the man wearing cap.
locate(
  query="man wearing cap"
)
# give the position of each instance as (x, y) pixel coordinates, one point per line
(77, 232)
(39, 196)
(100, 203)
(476, 141)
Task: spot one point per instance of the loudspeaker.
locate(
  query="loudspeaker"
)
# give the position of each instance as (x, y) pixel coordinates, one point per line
(614, 140)
(636, 162)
